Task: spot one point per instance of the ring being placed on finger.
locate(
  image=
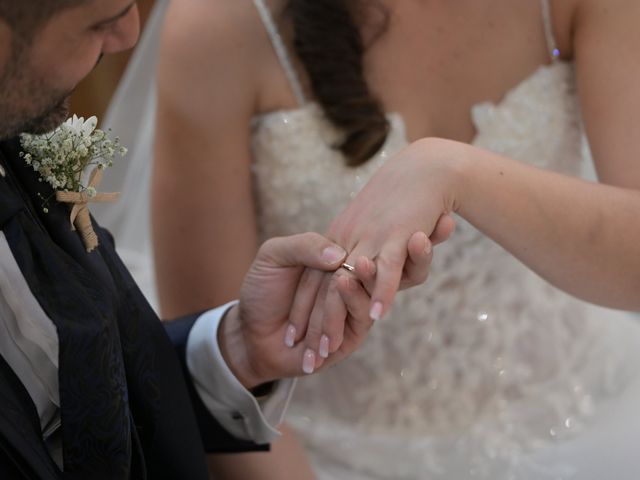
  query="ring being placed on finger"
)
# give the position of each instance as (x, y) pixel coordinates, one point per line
(348, 267)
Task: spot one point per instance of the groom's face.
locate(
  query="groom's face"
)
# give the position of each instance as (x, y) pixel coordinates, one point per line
(40, 69)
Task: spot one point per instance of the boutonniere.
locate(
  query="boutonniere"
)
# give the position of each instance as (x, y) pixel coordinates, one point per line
(64, 158)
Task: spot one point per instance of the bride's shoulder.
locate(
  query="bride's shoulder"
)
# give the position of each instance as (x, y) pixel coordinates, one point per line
(575, 21)
(210, 49)
(210, 26)
(209, 67)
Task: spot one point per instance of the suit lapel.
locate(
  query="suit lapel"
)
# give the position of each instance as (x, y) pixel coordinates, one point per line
(123, 386)
(21, 442)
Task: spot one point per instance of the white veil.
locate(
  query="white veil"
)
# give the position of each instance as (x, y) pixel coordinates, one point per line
(131, 116)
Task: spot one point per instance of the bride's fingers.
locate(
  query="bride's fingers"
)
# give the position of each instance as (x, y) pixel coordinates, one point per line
(303, 303)
(390, 265)
(366, 272)
(359, 322)
(416, 268)
(420, 250)
(444, 229)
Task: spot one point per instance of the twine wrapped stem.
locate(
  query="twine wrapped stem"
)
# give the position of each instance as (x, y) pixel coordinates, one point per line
(80, 218)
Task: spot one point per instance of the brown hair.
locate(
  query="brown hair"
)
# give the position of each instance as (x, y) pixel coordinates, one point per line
(25, 17)
(328, 42)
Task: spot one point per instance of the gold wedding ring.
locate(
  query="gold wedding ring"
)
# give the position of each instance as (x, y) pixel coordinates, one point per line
(348, 267)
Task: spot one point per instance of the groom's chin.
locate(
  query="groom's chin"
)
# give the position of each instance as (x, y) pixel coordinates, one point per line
(49, 120)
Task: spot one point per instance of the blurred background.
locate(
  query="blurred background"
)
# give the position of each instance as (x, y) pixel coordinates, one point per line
(93, 95)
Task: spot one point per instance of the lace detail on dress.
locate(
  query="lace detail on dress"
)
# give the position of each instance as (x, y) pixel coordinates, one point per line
(486, 360)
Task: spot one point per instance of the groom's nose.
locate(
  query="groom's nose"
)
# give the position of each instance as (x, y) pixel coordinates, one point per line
(124, 34)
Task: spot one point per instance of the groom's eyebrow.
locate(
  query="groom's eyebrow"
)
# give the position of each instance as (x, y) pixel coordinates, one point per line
(118, 16)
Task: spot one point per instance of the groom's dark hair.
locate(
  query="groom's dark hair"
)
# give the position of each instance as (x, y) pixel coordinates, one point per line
(25, 17)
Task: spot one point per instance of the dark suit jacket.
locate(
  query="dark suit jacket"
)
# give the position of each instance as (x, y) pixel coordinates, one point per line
(150, 401)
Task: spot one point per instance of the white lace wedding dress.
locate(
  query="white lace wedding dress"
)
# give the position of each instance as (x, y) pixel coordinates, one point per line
(487, 371)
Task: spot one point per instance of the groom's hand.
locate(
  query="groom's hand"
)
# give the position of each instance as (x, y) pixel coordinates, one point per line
(317, 314)
(251, 334)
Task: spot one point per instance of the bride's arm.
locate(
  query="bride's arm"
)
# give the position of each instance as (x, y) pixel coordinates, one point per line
(607, 46)
(203, 217)
(596, 256)
(202, 210)
(582, 237)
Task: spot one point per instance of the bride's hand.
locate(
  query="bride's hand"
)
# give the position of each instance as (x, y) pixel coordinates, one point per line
(413, 192)
(385, 222)
(319, 315)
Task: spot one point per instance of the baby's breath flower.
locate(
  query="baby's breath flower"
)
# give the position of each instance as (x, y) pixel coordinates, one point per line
(83, 151)
(67, 145)
(61, 156)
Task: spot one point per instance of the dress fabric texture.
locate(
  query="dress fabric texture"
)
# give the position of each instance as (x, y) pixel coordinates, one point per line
(485, 362)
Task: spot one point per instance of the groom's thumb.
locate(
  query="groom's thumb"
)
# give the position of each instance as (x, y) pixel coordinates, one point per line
(303, 250)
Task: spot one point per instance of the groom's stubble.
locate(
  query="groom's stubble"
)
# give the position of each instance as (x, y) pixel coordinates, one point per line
(28, 103)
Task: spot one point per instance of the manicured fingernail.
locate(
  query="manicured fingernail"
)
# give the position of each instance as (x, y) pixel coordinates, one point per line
(332, 254)
(309, 361)
(324, 346)
(427, 247)
(376, 311)
(290, 336)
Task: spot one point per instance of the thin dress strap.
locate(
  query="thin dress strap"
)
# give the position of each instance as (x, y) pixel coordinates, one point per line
(552, 45)
(281, 50)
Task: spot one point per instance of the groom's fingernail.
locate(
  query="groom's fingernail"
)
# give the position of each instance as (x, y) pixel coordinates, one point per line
(376, 311)
(332, 254)
(290, 336)
(324, 346)
(309, 361)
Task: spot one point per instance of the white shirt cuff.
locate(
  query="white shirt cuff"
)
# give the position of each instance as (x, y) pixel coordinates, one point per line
(237, 410)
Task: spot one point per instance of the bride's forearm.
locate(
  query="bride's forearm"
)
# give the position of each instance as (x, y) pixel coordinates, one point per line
(583, 237)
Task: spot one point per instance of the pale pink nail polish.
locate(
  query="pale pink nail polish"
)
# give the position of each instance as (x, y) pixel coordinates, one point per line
(324, 346)
(376, 311)
(309, 361)
(428, 247)
(290, 336)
